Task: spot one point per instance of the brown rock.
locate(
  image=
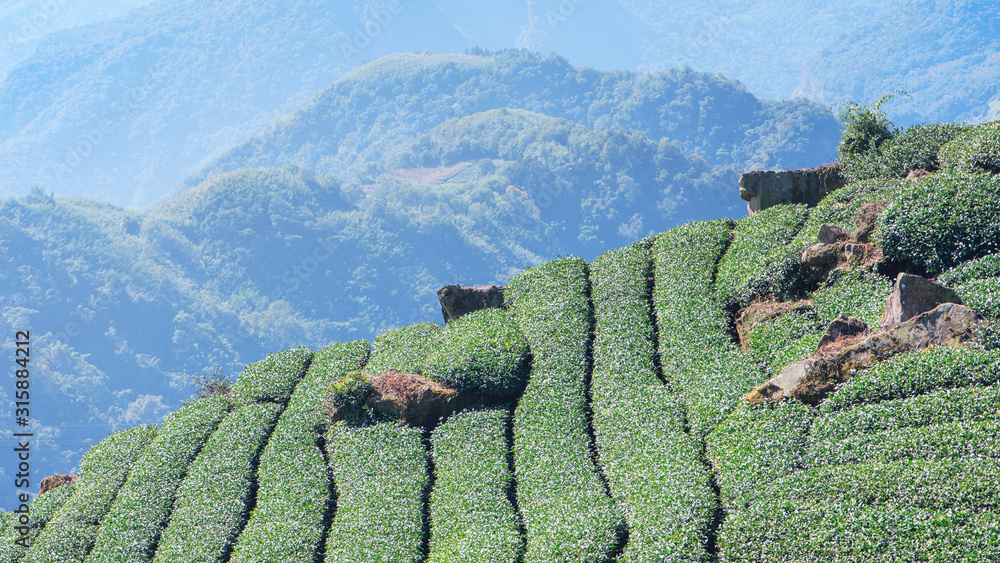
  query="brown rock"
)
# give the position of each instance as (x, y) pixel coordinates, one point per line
(411, 398)
(55, 481)
(458, 300)
(829, 234)
(914, 295)
(866, 219)
(843, 330)
(767, 188)
(815, 377)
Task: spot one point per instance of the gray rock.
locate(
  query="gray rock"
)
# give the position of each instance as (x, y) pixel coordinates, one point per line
(766, 188)
(914, 295)
(829, 234)
(458, 300)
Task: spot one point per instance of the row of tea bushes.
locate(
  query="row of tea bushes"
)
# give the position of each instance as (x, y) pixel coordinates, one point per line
(472, 518)
(70, 535)
(381, 476)
(13, 544)
(755, 445)
(761, 259)
(567, 511)
(142, 507)
(404, 349)
(780, 532)
(653, 466)
(209, 510)
(698, 358)
(293, 486)
(274, 378)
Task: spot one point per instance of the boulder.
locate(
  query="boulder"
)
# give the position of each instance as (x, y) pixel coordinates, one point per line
(842, 329)
(830, 234)
(917, 175)
(815, 377)
(411, 398)
(458, 300)
(766, 188)
(55, 481)
(914, 295)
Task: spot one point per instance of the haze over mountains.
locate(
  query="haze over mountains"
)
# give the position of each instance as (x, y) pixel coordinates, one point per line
(179, 83)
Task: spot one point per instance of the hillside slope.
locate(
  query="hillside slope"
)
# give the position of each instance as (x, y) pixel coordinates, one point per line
(629, 438)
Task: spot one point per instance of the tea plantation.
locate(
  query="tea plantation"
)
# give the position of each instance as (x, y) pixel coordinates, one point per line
(611, 423)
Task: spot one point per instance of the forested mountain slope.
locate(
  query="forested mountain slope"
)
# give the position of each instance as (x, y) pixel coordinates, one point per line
(606, 418)
(387, 104)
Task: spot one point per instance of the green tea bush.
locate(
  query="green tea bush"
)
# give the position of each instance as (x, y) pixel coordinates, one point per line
(757, 444)
(859, 293)
(866, 127)
(42, 509)
(913, 148)
(976, 149)
(846, 532)
(567, 512)
(786, 339)
(483, 352)
(210, 506)
(293, 487)
(404, 349)
(942, 221)
(760, 259)
(978, 269)
(273, 378)
(70, 535)
(699, 359)
(348, 397)
(982, 295)
(949, 405)
(381, 475)
(936, 441)
(937, 484)
(472, 519)
(917, 373)
(653, 466)
(130, 530)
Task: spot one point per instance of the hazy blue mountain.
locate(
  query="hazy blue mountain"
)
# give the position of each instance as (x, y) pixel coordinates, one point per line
(380, 108)
(120, 109)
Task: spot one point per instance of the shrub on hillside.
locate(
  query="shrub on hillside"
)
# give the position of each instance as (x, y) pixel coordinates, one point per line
(980, 268)
(942, 221)
(483, 352)
(976, 149)
(404, 349)
(916, 147)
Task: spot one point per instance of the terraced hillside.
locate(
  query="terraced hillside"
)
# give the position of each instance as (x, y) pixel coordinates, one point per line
(609, 420)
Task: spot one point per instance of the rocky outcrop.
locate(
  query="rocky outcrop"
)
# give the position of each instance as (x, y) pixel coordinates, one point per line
(815, 377)
(55, 481)
(411, 398)
(767, 188)
(914, 295)
(458, 300)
